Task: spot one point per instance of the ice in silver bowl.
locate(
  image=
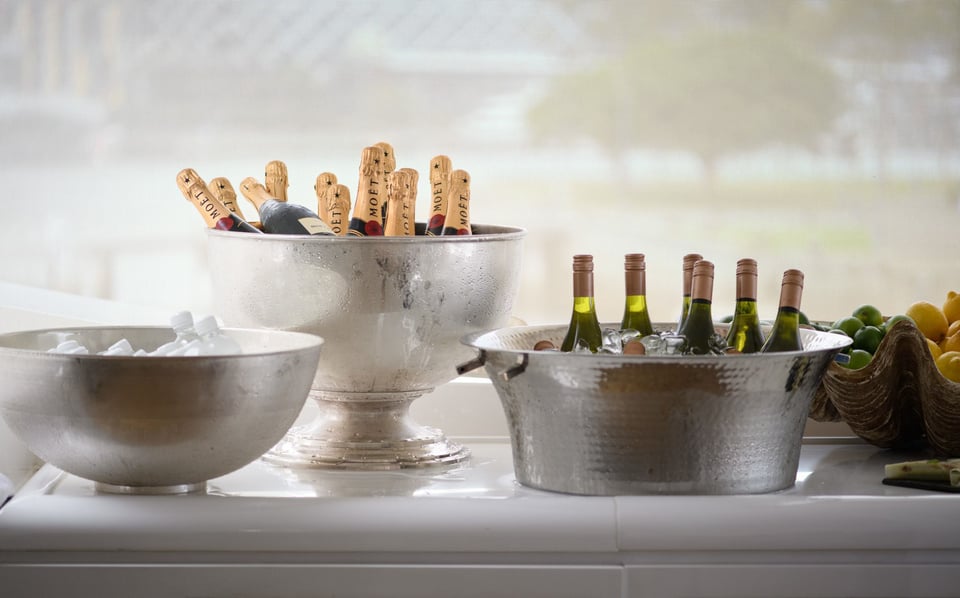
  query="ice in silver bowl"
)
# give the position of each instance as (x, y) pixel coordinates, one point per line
(631, 424)
(152, 425)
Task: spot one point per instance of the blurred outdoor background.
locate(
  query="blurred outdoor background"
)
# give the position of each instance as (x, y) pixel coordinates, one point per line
(817, 134)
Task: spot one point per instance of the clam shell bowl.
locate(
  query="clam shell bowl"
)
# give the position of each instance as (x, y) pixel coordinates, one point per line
(152, 425)
(636, 424)
(898, 400)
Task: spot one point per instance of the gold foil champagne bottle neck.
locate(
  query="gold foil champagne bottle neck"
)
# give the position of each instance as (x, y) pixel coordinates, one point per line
(440, 168)
(367, 217)
(337, 203)
(255, 192)
(457, 221)
(221, 188)
(275, 180)
(195, 190)
(321, 187)
(397, 224)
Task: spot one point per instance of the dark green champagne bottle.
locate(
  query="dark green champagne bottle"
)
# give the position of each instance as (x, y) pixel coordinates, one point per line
(745, 335)
(635, 313)
(688, 261)
(584, 325)
(698, 330)
(280, 217)
(785, 335)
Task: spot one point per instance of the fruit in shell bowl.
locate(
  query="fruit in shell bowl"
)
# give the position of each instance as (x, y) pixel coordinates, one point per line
(906, 393)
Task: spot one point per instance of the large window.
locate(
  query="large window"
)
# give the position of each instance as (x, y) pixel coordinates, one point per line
(822, 135)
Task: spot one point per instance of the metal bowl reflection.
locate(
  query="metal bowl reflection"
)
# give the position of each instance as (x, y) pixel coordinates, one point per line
(152, 425)
(625, 424)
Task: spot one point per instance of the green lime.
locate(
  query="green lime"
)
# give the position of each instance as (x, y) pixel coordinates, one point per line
(849, 325)
(869, 315)
(868, 339)
(726, 319)
(858, 359)
(892, 320)
(804, 319)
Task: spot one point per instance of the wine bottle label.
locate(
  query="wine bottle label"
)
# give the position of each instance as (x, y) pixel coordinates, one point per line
(409, 210)
(389, 164)
(275, 180)
(367, 217)
(440, 168)
(315, 226)
(399, 181)
(458, 204)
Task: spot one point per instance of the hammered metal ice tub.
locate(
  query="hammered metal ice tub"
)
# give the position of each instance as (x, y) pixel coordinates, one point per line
(627, 424)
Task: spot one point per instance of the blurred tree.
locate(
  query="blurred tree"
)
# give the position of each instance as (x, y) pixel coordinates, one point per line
(709, 93)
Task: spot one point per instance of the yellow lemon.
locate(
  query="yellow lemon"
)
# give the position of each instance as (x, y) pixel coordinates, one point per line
(951, 307)
(935, 349)
(950, 343)
(949, 365)
(929, 319)
(953, 328)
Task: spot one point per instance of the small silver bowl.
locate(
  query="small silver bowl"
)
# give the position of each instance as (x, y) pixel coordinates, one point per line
(636, 424)
(152, 425)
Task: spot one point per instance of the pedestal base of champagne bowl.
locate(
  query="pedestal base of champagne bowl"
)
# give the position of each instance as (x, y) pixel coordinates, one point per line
(365, 432)
(392, 311)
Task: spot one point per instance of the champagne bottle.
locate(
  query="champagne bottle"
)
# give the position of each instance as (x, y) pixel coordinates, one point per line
(403, 188)
(785, 334)
(440, 168)
(221, 188)
(214, 213)
(324, 181)
(457, 221)
(280, 217)
(275, 180)
(688, 261)
(338, 208)
(367, 220)
(745, 335)
(635, 314)
(584, 326)
(698, 330)
(389, 164)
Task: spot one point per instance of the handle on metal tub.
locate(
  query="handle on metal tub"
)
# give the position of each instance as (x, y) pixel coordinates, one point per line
(473, 364)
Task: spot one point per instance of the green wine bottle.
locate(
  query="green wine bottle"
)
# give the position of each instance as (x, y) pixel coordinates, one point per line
(635, 313)
(785, 335)
(745, 335)
(584, 326)
(698, 330)
(688, 261)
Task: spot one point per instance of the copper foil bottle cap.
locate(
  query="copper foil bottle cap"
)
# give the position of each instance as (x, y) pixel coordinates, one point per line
(791, 289)
(635, 268)
(688, 261)
(747, 278)
(583, 276)
(703, 280)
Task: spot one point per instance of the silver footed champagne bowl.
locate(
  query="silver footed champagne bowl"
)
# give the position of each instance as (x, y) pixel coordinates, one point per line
(392, 311)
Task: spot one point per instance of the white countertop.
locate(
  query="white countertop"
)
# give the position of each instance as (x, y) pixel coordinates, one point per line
(469, 530)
